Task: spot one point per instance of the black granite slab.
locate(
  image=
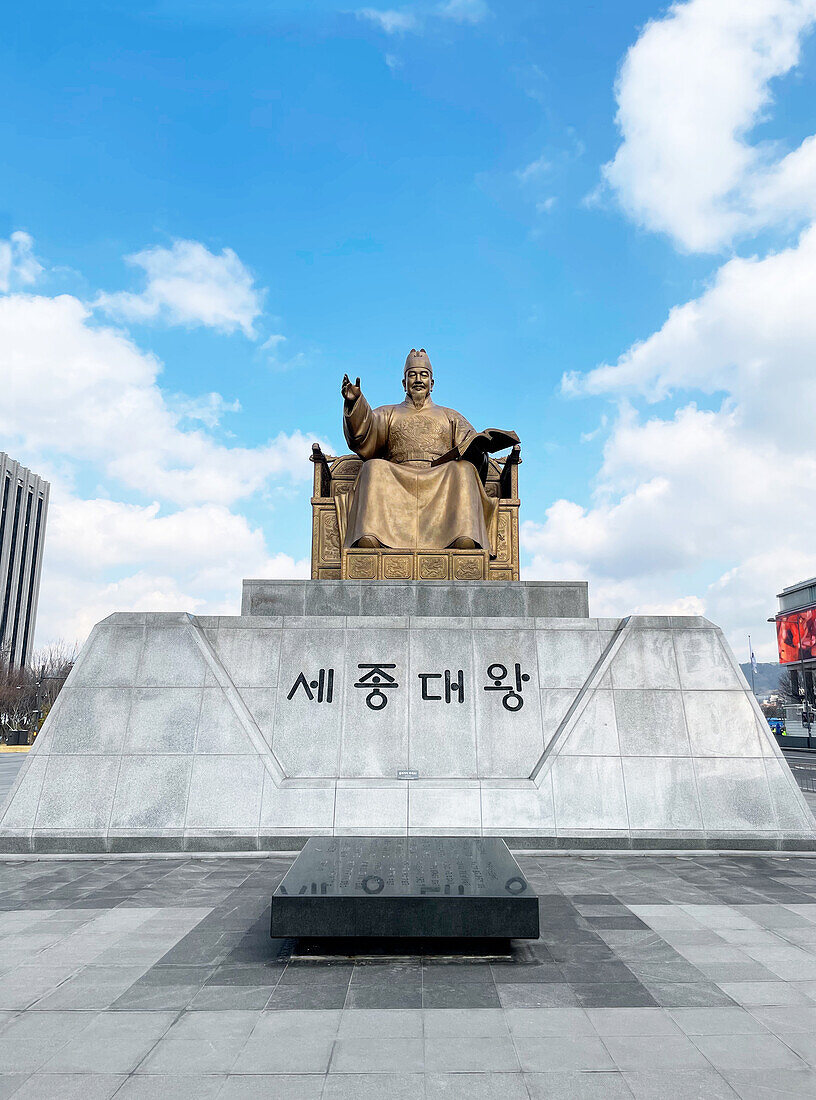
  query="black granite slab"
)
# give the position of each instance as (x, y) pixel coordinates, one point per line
(415, 887)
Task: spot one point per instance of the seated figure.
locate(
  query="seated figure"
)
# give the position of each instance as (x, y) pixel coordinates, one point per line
(411, 492)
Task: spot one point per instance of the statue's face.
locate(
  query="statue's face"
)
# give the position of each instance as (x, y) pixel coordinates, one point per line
(417, 378)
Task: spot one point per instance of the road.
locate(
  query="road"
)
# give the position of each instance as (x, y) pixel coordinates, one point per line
(10, 764)
(803, 765)
(803, 756)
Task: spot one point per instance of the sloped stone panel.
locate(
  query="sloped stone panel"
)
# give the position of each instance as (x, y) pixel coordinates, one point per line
(77, 794)
(661, 794)
(151, 794)
(588, 794)
(163, 720)
(21, 806)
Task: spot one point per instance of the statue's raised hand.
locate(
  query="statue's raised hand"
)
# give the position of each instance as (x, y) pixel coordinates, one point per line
(350, 390)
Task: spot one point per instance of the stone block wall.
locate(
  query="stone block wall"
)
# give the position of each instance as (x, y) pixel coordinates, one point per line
(178, 733)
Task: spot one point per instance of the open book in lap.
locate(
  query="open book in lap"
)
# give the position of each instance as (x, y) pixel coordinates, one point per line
(476, 445)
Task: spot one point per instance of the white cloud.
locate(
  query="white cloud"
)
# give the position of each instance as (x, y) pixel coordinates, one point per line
(18, 265)
(90, 394)
(587, 437)
(669, 490)
(706, 508)
(208, 409)
(191, 560)
(689, 93)
(751, 335)
(272, 343)
(82, 403)
(464, 11)
(541, 166)
(189, 285)
(403, 20)
(722, 492)
(390, 21)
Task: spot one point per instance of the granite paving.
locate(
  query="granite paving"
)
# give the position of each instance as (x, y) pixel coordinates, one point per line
(654, 976)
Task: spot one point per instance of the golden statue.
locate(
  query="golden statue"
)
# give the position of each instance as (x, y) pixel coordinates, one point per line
(421, 484)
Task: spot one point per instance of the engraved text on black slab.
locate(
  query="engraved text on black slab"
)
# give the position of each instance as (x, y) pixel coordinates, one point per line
(412, 866)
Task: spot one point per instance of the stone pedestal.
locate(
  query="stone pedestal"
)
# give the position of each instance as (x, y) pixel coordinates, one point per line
(485, 599)
(450, 717)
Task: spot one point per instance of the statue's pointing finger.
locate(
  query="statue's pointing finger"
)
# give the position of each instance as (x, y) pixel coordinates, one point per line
(350, 392)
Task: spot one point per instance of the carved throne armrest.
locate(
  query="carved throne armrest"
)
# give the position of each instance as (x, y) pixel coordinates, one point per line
(508, 484)
(322, 485)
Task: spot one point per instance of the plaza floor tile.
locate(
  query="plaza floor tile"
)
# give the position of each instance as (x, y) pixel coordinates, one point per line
(111, 1043)
(765, 993)
(632, 1021)
(562, 1054)
(548, 1021)
(190, 1087)
(627, 993)
(718, 1021)
(322, 1023)
(697, 1085)
(734, 1052)
(603, 1085)
(377, 1055)
(274, 1087)
(66, 1086)
(174, 1057)
(614, 995)
(374, 1086)
(462, 1054)
(466, 995)
(467, 1022)
(25, 985)
(307, 1054)
(773, 1084)
(701, 994)
(389, 996)
(474, 1086)
(10, 1083)
(229, 997)
(26, 1055)
(781, 1020)
(673, 1053)
(381, 1023)
(801, 1043)
(530, 995)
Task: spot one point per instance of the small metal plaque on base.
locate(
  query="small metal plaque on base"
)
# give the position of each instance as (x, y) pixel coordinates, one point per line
(414, 887)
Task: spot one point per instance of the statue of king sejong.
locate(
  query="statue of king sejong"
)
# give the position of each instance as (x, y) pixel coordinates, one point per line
(421, 483)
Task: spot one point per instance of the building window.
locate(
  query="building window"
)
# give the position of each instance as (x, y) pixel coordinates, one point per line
(10, 573)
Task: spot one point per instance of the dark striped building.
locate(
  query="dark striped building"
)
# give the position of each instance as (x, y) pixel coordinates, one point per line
(24, 503)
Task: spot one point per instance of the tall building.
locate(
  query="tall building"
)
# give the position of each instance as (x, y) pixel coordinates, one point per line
(24, 500)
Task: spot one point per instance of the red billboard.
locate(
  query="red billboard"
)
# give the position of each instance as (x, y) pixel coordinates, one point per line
(796, 636)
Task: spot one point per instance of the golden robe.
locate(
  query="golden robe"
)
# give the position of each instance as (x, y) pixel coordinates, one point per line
(398, 497)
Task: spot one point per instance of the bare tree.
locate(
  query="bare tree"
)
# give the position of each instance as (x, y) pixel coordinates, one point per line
(773, 710)
(27, 694)
(783, 688)
(15, 702)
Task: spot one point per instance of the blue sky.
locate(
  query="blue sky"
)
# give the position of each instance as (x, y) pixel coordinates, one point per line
(425, 174)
